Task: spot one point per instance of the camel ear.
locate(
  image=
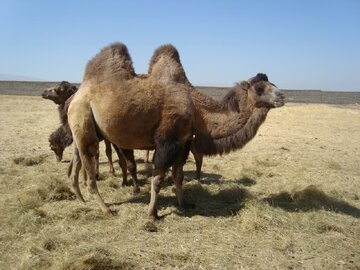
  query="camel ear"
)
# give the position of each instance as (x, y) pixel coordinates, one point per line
(72, 89)
(245, 85)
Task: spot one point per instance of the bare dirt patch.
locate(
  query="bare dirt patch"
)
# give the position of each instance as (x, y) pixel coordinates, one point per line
(288, 200)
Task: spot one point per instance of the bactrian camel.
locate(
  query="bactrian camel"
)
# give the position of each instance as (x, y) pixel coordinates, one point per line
(161, 110)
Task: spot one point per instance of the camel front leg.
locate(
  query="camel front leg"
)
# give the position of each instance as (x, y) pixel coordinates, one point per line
(198, 161)
(158, 177)
(178, 177)
(147, 154)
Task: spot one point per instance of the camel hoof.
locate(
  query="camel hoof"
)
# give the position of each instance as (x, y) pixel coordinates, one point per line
(187, 205)
(136, 190)
(150, 227)
(153, 215)
(108, 212)
(125, 183)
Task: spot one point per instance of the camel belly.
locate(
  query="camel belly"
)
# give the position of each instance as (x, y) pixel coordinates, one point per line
(128, 126)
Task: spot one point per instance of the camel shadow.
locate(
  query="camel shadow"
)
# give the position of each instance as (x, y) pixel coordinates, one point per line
(309, 199)
(206, 178)
(245, 181)
(226, 202)
(213, 178)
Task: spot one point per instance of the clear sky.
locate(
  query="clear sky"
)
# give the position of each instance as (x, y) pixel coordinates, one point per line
(300, 44)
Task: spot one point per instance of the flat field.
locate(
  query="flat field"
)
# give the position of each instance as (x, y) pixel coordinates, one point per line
(290, 199)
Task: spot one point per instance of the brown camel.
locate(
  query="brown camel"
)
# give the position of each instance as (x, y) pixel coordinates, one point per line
(61, 138)
(161, 111)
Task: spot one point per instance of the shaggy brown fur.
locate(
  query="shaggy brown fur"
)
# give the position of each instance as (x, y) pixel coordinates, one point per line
(174, 71)
(227, 130)
(161, 111)
(59, 140)
(236, 101)
(113, 62)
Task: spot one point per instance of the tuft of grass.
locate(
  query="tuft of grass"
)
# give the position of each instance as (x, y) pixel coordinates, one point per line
(266, 163)
(252, 172)
(334, 165)
(55, 190)
(98, 261)
(51, 244)
(323, 228)
(86, 214)
(29, 161)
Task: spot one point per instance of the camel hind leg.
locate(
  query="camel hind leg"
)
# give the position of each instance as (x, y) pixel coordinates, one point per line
(88, 161)
(83, 128)
(122, 164)
(131, 166)
(108, 152)
(73, 173)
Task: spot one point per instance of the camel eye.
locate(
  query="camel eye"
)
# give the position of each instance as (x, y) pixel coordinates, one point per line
(259, 91)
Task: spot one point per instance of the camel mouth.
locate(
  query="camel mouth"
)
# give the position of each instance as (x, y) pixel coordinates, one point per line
(58, 158)
(45, 95)
(279, 101)
(49, 95)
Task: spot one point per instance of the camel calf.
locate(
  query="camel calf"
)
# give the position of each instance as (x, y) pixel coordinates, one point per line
(61, 138)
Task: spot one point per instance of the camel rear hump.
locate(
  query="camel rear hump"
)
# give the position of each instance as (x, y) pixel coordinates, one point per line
(165, 66)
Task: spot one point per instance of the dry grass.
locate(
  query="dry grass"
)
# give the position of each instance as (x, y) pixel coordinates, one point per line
(288, 200)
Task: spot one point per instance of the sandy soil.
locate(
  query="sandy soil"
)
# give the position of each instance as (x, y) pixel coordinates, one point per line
(289, 200)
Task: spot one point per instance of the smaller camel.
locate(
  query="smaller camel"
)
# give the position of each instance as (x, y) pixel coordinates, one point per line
(61, 138)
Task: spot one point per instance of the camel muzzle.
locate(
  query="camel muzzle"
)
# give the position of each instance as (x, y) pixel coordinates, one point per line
(279, 101)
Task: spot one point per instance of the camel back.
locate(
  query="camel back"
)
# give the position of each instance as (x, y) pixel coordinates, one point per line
(112, 62)
(165, 66)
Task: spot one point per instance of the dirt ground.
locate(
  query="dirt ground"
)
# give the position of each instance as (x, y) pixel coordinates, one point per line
(290, 199)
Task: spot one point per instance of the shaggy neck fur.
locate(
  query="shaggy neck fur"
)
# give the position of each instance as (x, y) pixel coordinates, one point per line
(62, 114)
(221, 127)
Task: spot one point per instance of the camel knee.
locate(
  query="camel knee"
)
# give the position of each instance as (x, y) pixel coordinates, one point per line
(167, 152)
(156, 183)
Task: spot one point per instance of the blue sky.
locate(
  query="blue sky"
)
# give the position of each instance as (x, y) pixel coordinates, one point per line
(307, 44)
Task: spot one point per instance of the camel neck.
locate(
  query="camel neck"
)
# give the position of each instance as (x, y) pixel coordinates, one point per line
(218, 130)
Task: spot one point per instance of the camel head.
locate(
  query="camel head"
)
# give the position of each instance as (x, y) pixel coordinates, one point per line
(262, 93)
(56, 144)
(60, 93)
(58, 141)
